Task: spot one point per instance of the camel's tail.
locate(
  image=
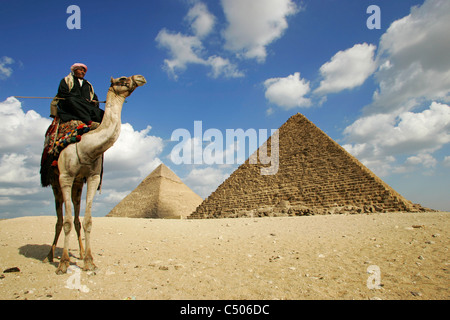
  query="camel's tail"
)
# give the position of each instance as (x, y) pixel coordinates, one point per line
(47, 158)
(48, 173)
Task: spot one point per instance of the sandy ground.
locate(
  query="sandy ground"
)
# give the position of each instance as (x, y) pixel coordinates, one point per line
(376, 256)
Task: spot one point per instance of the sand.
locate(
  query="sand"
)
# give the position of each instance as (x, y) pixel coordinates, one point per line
(377, 256)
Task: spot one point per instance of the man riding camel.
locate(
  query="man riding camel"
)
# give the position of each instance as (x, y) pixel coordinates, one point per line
(78, 99)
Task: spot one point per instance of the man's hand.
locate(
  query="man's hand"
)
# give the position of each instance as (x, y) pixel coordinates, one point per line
(93, 102)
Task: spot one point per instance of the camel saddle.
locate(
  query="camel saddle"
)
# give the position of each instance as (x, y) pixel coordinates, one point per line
(58, 136)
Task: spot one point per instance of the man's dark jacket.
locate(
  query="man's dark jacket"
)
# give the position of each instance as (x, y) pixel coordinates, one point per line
(76, 105)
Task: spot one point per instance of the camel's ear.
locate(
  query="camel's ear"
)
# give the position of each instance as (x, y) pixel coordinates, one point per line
(112, 80)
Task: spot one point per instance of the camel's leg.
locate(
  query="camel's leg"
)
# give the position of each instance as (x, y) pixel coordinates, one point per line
(76, 200)
(66, 182)
(92, 185)
(59, 223)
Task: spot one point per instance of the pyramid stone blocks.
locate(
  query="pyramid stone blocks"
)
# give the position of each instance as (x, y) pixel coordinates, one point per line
(315, 176)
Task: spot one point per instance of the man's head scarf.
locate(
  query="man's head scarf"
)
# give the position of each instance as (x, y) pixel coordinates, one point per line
(77, 66)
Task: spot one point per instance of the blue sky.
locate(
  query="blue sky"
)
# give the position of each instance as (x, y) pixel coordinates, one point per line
(383, 93)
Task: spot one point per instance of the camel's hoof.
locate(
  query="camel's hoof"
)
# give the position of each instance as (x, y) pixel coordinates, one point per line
(89, 266)
(62, 268)
(49, 258)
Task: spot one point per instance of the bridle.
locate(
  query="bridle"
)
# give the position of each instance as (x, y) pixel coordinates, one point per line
(123, 83)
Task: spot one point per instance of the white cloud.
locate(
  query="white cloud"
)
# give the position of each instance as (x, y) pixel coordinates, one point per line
(221, 66)
(133, 157)
(204, 181)
(370, 127)
(379, 136)
(408, 132)
(413, 55)
(112, 196)
(201, 20)
(24, 131)
(183, 49)
(17, 191)
(188, 49)
(254, 24)
(288, 92)
(134, 152)
(5, 71)
(20, 154)
(446, 161)
(21, 143)
(347, 69)
(425, 159)
(15, 169)
(413, 72)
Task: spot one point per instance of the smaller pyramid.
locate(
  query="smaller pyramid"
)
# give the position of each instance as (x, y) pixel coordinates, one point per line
(161, 195)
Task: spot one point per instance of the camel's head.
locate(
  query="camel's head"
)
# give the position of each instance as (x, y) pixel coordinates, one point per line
(124, 86)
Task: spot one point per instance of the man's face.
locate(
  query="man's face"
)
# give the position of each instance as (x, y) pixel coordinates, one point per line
(79, 73)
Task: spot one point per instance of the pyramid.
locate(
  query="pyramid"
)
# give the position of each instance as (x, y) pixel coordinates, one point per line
(315, 176)
(160, 195)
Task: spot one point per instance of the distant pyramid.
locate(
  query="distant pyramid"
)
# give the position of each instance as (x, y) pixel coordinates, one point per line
(315, 176)
(161, 195)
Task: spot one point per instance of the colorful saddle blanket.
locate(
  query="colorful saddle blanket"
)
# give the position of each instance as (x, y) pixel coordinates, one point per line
(58, 136)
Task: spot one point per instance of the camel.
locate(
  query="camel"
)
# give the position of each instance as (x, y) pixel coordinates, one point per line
(83, 161)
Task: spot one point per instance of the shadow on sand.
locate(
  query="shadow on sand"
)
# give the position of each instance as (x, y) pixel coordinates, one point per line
(40, 252)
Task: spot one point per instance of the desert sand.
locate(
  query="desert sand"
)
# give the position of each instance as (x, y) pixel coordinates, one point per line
(367, 256)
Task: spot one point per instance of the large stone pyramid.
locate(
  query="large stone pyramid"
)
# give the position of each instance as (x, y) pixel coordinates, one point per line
(161, 195)
(315, 176)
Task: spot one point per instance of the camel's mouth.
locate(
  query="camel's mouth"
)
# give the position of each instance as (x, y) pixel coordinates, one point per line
(139, 80)
(134, 81)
